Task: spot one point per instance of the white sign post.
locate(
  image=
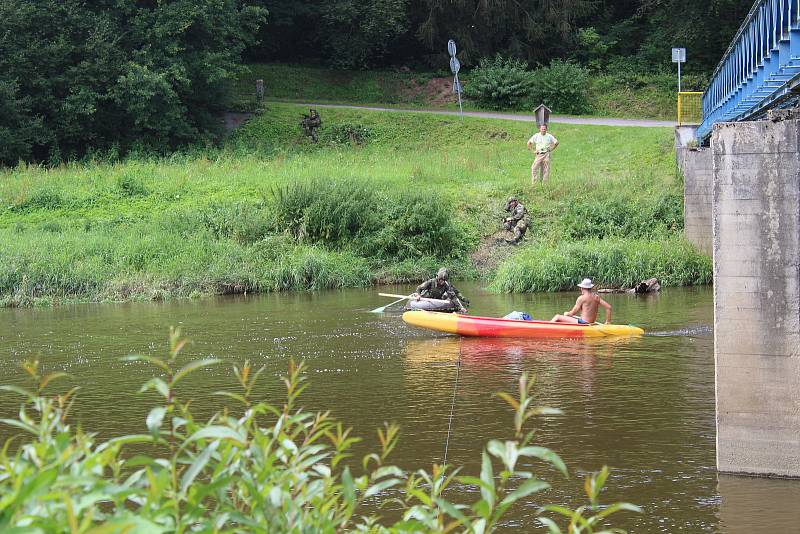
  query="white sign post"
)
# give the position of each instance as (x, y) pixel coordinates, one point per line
(679, 56)
(455, 66)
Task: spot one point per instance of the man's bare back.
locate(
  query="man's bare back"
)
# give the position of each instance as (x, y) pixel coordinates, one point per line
(585, 309)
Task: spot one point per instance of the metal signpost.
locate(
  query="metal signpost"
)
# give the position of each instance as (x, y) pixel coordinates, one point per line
(679, 56)
(455, 66)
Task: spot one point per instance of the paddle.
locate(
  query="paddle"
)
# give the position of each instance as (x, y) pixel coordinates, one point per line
(383, 308)
(409, 297)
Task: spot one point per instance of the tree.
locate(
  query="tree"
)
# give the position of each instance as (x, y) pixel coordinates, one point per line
(76, 75)
(534, 30)
(358, 33)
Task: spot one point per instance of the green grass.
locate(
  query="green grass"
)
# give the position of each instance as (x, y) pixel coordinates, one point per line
(647, 96)
(612, 263)
(270, 211)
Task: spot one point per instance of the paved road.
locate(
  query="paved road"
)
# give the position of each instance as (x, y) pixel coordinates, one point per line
(599, 121)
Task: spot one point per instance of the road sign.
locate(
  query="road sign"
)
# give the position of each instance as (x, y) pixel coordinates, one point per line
(451, 47)
(679, 56)
(455, 65)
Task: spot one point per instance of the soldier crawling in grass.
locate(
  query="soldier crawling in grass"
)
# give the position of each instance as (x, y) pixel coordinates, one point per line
(517, 221)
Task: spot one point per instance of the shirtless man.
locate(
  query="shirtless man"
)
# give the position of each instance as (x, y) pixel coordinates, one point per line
(585, 307)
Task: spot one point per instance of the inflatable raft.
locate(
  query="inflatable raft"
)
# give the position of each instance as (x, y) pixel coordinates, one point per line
(467, 325)
(431, 305)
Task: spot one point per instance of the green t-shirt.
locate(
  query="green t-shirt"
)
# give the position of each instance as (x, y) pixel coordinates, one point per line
(544, 143)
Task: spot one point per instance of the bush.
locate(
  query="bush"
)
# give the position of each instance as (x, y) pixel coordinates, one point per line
(561, 86)
(349, 133)
(255, 467)
(347, 214)
(327, 211)
(500, 83)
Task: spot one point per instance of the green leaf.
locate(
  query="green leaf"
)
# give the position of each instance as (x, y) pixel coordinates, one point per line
(19, 424)
(234, 396)
(487, 476)
(528, 487)
(124, 440)
(149, 359)
(193, 366)
(550, 524)
(154, 419)
(451, 510)
(619, 506)
(545, 454)
(348, 487)
(157, 384)
(217, 432)
(197, 466)
(381, 486)
(18, 390)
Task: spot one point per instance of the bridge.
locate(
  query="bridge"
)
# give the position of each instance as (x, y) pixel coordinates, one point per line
(760, 69)
(742, 205)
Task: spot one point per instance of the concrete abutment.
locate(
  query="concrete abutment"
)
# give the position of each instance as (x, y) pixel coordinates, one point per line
(756, 250)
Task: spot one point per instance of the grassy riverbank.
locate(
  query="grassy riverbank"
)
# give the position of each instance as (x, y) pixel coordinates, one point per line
(623, 95)
(270, 211)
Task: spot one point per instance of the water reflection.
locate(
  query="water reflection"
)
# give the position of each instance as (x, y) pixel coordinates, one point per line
(644, 405)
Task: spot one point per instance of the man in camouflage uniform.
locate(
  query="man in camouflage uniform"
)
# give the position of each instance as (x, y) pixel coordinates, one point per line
(310, 124)
(517, 221)
(440, 288)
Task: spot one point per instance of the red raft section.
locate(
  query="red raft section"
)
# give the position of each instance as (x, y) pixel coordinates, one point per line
(467, 325)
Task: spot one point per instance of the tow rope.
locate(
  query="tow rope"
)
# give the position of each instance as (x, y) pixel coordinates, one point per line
(452, 407)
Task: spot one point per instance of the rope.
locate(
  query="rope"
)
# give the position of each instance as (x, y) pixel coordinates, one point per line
(452, 407)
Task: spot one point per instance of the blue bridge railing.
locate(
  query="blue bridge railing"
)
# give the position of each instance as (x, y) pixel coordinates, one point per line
(759, 70)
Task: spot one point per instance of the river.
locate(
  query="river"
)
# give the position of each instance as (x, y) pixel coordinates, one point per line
(644, 406)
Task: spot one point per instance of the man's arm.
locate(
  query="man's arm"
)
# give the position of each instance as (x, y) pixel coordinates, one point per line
(607, 306)
(555, 144)
(530, 142)
(576, 308)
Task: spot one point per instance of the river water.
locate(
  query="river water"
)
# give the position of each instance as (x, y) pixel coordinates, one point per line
(644, 406)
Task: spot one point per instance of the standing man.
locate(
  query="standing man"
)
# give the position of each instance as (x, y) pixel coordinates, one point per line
(543, 144)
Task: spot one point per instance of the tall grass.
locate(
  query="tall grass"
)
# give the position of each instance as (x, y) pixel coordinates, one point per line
(614, 263)
(271, 211)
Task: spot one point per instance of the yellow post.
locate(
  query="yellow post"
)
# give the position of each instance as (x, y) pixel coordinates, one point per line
(690, 107)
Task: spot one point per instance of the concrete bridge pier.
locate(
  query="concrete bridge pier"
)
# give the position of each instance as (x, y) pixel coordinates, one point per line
(756, 249)
(696, 165)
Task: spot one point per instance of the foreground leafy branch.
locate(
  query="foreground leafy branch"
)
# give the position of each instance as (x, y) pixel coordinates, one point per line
(265, 469)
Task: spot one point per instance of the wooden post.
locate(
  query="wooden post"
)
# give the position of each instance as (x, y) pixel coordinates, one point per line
(259, 91)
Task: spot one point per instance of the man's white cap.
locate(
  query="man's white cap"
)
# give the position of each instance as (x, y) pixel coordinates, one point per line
(586, 284)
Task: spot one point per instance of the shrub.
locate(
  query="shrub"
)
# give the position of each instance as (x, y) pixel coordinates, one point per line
(561, 86)
(347, 214)
(349, 133)
(130, 186)
(255, 467)
(333, 212)
(500, 83)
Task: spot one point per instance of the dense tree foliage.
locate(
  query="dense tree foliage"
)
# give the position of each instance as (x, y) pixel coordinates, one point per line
(632, 33)
(112, 74)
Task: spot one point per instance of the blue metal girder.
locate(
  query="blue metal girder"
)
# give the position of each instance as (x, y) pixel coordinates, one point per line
(760, 68)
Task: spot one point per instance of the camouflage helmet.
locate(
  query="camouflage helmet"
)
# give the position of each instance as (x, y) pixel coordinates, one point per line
(510, 200)
(442, 274)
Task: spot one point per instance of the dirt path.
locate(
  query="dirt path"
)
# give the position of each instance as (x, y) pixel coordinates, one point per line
(597, 121)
